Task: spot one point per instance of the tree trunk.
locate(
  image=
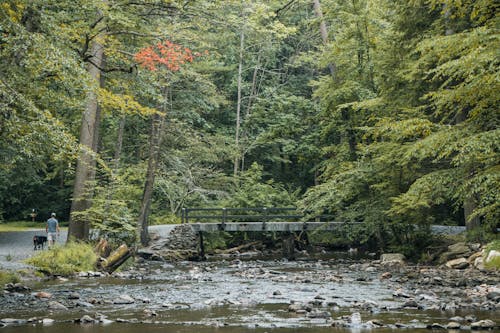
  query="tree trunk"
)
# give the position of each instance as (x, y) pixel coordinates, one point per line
(82, 190)
(469, 206)
(115, 163)
(323, 31)
(238, 105)
(119, 143)
(157, 122)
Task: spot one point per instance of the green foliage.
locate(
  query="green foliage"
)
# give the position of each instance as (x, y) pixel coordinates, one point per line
(65, 260)
(411, 132)
(216, 240)
(252, 191)
(401, 135)
(8, 277)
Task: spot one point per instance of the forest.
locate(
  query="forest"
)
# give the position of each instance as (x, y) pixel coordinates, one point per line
(116, 114)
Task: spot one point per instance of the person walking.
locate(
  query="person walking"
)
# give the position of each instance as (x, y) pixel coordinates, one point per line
(52, 229)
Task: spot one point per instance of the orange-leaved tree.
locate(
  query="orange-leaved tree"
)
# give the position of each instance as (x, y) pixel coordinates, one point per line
(170, 57)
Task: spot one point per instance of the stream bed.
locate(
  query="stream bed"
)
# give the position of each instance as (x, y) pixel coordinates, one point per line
(331, 295)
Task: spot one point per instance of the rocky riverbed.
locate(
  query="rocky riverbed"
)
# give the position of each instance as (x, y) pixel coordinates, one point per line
(362, 294)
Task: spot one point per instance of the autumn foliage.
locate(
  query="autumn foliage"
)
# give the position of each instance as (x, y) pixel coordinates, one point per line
(165, 53)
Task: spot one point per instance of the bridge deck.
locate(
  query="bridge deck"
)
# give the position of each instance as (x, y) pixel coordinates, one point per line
(265, 226)
(297, 226)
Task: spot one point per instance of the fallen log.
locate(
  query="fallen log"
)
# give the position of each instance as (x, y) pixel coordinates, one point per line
(116, 258)
(237, 248)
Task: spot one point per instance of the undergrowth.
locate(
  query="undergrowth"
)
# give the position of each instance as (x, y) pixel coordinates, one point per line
(65, 260)
(8, 277)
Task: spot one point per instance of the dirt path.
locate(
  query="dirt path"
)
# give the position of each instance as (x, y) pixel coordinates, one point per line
(15, 246)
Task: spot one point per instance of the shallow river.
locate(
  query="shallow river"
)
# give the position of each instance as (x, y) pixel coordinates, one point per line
(224, 296)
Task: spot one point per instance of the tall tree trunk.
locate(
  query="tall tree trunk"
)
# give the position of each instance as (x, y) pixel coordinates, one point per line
(470, 204)
(238, 105)
(82, 190)
(115, 163)
(323, 31)
(119, 143)
(157, 122)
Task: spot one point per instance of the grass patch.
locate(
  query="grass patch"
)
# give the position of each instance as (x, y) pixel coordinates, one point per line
(8, 277)
(65, 260)
(24, 225)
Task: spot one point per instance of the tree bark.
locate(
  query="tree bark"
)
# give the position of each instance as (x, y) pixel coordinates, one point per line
(323, 31)
(238, 105)
(157, 122)
(469, 206)
(78, 227)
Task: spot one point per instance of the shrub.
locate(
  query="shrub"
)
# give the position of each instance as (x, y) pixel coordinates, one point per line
(65, 260)
(8, 277)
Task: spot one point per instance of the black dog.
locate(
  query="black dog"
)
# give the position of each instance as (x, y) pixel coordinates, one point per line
(38, 242)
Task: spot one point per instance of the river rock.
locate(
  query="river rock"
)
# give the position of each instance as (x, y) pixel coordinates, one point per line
(355, 318)
(149, 313)
(16, 287)
(86, 319)
(74, 295)
(400, 293)
(459, 263)
(47, 321)
(340, 323)
(410, 304)
(474, 256)
(319, 314)
(53, 305)
(124, 299)
(453, 325)
(392, 259)
(10, 321)
(299, 308)
(455, 251)
(84, 304)
(479, 263)
(43, 294)
(435, 326)
(491, 256)
(494, 295)
(470, 318)
(386, 275)
(483, 324)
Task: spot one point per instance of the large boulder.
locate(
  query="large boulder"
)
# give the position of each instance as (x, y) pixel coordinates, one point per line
(493, 254)
(486, 324)
(392, 259)
(479, 263)
(459, 263)
(455, 251)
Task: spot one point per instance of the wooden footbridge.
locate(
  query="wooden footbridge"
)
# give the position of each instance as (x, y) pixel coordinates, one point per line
(253, 219)
(286, 221)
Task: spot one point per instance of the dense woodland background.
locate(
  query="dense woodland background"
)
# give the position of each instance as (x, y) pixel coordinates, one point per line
(379, 111)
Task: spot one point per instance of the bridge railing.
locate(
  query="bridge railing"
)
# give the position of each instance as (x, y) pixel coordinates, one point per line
(255, 214)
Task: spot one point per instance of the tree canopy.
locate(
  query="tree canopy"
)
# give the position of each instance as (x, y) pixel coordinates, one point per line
(385, 112)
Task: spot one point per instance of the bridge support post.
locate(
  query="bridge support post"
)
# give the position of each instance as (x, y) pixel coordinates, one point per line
(288, 242)
(202, 246)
